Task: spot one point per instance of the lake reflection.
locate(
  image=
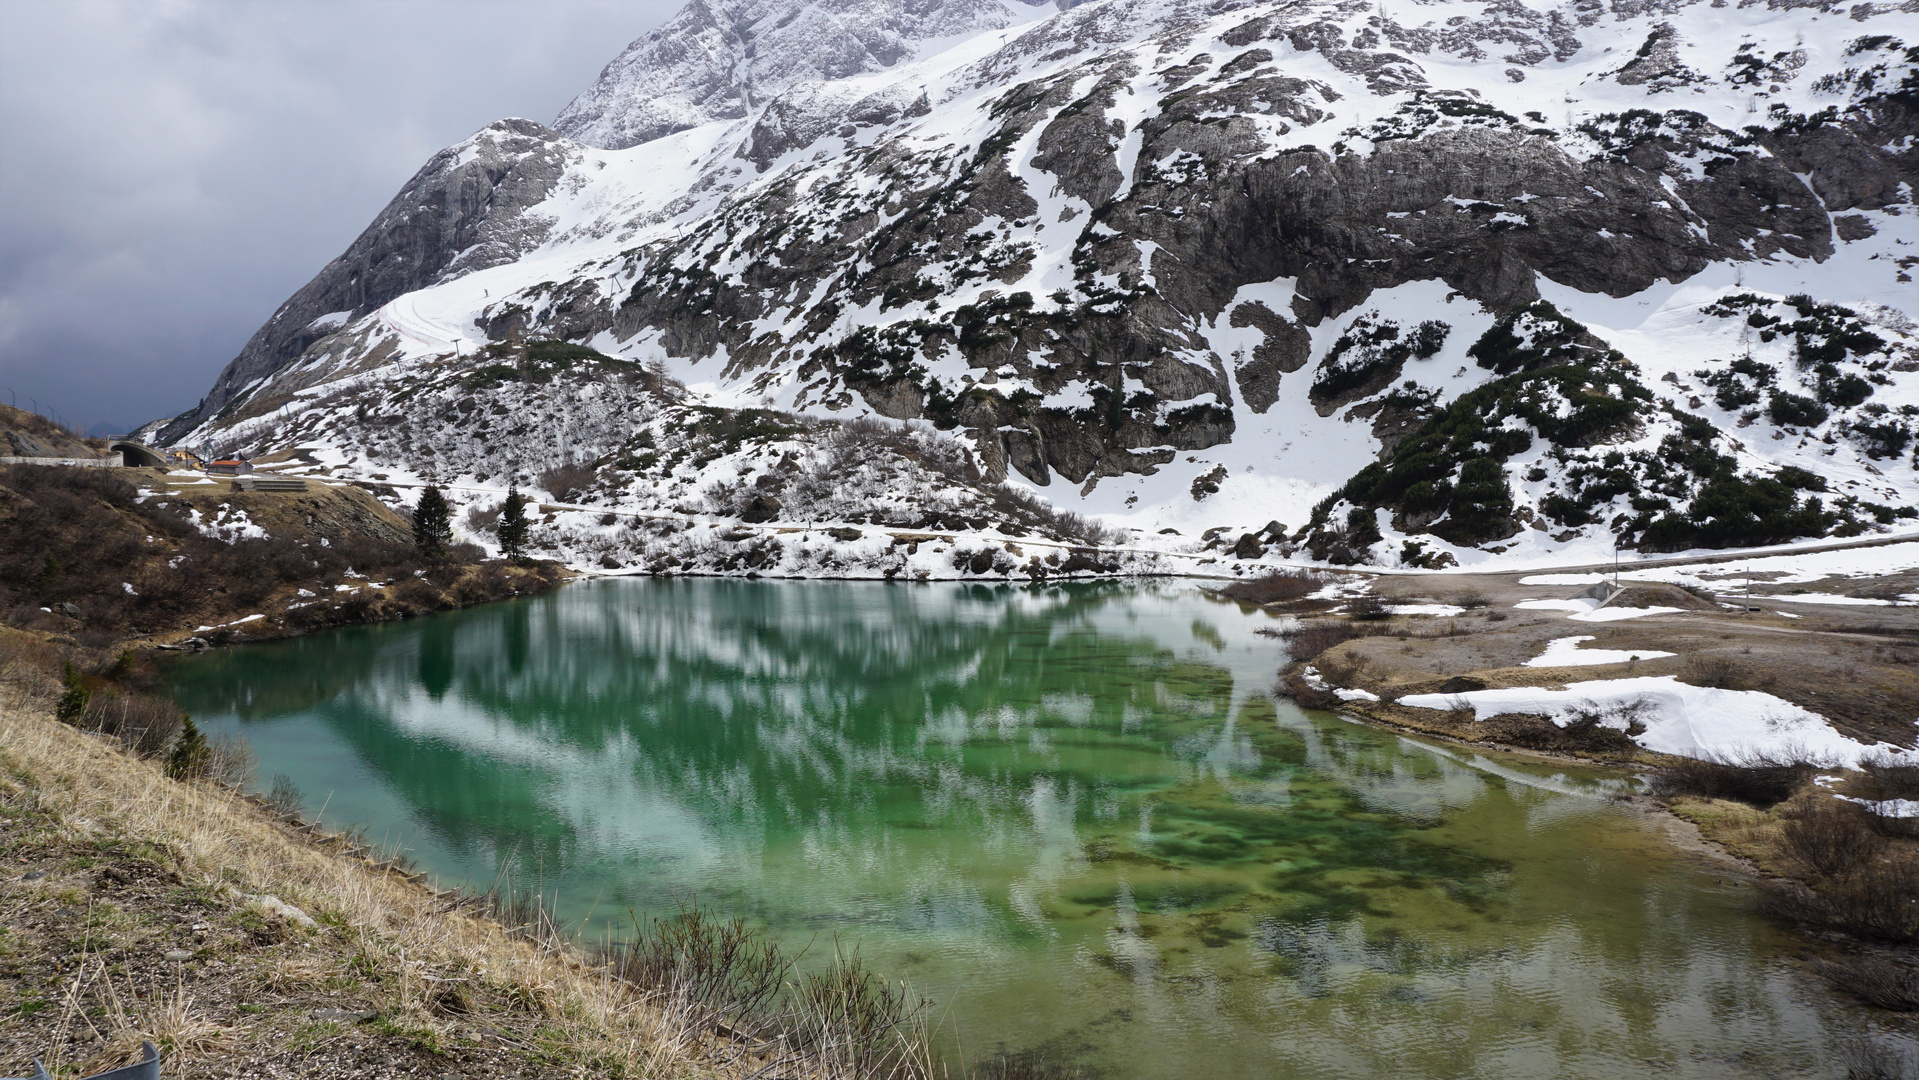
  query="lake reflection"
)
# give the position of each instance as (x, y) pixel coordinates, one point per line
(1074, 816)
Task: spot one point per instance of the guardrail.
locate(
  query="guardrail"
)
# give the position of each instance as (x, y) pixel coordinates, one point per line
(111, 461)
(269, 483)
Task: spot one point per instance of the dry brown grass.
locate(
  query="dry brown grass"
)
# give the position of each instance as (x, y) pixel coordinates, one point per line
(1716, 671)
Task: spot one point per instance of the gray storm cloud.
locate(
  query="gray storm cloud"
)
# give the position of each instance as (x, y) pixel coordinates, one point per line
(173, 169)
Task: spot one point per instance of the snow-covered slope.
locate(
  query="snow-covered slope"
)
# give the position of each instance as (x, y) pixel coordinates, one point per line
(718, 61)
(1446, 281)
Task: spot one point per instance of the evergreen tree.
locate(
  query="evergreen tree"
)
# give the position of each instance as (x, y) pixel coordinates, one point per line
(73, 701)
(190, 752)
(432, 523)
(512, 529)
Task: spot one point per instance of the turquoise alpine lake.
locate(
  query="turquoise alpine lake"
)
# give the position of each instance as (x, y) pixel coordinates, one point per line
(1075, 817)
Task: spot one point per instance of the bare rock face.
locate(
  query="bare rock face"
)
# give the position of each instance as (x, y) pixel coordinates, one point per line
(467, 209)
(1486, 207)
(1287, 348)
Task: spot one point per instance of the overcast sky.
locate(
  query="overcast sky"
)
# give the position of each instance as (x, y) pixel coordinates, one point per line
(173, 169)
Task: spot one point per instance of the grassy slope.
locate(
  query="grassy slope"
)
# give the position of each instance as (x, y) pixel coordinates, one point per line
(125, 914)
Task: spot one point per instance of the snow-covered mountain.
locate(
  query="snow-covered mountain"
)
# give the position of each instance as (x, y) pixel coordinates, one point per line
(1410, 283)
(718, 61)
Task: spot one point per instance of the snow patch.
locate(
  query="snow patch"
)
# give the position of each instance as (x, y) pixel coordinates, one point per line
(1690, 721)
(1565, 652)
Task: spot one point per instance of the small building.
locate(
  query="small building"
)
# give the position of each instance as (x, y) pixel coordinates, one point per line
(185, 459)
(230, 467)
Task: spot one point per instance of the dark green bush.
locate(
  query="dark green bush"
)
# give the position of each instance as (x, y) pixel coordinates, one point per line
(1482, 504)
(1881, 439)
(1736, 511)
(1800, 479)
(1843, 390)
(1788, 409)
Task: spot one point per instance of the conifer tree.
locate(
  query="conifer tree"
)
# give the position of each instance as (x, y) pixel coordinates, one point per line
(190, 752)
(432, 523)
(73, 700)
(512, 529)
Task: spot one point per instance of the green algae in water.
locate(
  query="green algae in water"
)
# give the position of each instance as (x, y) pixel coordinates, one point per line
(1073, 816)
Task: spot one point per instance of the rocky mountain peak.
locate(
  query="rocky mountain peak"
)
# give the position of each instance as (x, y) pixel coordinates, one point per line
(466, 209)
(720, 59)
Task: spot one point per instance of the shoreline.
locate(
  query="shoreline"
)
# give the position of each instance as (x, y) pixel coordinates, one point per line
(1839, 874)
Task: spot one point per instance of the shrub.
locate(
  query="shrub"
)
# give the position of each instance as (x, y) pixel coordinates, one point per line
(1428, 338)
(1367, 608)
(145, 725)
(1829, 838)
(481, 519)
(1886, 776)
(1717, 672)
(1878, 902)
(1792, 410)
(1482, 503)
(73, 699)
(1875, 980)
(487, 582)
(1545, 337)
(1756, 778)
(1800, 479)
(1276, 587)
(418, 594)
(1307, 640)
(569, 479)
(1730, 392)
(1843, 391)
(1738, 511)
(230, 762)
(1071, 526)
(1880, 439)
(284, 798)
